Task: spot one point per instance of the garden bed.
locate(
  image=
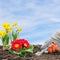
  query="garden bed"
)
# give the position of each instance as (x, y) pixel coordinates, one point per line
(6, 55)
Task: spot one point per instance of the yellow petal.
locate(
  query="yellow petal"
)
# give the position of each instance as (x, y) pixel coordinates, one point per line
(19, 29)
(15, 24)
(10, 29)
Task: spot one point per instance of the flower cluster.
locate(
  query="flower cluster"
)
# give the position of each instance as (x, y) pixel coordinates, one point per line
(9, 32)
(19, 43)
(21, 47)
(7, 26)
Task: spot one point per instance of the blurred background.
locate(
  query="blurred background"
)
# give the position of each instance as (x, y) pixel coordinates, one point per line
(39, 19)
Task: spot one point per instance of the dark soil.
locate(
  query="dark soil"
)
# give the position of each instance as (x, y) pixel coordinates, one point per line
(6, 55)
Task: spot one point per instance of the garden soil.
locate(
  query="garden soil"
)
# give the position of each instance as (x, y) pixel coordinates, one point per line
(6, 55)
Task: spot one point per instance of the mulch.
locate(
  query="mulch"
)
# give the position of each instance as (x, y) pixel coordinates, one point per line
(6, 55)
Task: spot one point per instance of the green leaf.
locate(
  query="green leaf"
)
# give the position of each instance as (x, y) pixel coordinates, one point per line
(10, 35)
(5, 40)
(14, 35)
(23, 51)
(30, 49)
(14, 52)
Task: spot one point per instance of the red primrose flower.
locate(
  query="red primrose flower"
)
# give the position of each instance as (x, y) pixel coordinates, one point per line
(19, 43)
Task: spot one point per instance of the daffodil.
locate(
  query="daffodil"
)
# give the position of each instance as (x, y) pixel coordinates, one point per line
(2, 33)
(15, 24)
(10, 29)
(19, 29)
(6, 25)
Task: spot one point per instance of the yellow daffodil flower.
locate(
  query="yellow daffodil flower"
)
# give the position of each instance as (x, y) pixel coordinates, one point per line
(19, 29)
(6, 25)
(10, 29)
(15, 24)
(2, 33)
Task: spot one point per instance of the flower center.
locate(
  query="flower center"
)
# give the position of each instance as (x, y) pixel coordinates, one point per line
(16, 45)
(25, 44)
